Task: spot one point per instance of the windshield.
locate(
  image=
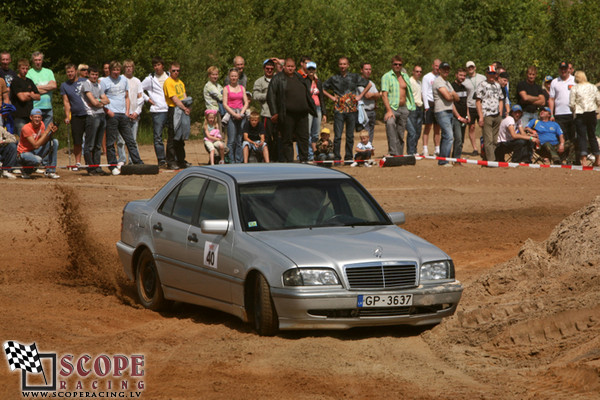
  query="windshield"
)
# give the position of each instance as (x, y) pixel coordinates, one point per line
(307, 204)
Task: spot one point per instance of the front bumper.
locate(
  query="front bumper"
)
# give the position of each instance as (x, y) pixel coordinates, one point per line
(336, 308)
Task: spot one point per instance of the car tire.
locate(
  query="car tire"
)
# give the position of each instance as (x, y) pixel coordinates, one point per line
(147, 283)
(266, 322)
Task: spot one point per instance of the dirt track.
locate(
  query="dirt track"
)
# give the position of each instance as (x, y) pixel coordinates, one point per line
(527, 327)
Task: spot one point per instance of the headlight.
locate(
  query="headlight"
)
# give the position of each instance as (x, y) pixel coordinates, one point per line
(437, 270)
(310, 277)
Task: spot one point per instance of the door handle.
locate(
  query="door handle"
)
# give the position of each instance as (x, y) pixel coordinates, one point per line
(193, 238)
(157, 227)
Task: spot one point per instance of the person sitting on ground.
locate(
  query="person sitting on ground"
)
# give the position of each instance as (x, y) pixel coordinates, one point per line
(551, 138)
(254, 138)
(8, 152)
(510, 138)
(36, 146)
(212, 137)
(364, 150)
(324, 147)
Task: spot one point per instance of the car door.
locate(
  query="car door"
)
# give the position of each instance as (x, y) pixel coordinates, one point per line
(212, 254)
(170, 225)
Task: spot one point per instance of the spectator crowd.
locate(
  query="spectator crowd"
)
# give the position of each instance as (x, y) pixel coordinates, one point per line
(283, 112)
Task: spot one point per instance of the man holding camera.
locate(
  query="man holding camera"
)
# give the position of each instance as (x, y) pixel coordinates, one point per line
(36, 146)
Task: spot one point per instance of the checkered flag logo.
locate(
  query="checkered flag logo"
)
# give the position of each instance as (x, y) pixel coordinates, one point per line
(23, 357)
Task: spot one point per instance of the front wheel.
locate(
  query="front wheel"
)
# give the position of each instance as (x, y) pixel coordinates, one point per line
(266, 322)
(148, 284)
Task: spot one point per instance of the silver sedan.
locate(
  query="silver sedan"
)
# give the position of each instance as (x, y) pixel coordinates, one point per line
(283, 246)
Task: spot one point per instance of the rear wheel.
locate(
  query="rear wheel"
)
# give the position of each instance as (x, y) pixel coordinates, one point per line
(148, 283)
(266, 322)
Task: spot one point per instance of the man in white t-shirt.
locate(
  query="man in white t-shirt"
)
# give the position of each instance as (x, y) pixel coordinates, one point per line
(153, 85)
(444, 96)
(429, 117)
(558, 102)
(136, 101)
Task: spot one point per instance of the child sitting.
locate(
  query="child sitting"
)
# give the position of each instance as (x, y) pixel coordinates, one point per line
(212, 137)
(254, 138)
(364, 150)
(324, 147)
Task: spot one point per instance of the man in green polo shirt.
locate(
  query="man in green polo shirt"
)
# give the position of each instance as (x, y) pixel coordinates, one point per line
(398, 101)
(45, 83)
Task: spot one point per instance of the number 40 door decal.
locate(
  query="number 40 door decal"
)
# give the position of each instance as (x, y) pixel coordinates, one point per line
(211, 253)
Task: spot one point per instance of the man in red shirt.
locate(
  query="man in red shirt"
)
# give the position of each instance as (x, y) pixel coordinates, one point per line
(36, 146)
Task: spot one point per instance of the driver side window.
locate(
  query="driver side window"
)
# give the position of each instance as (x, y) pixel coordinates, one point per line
(215, 204)
(183, 200)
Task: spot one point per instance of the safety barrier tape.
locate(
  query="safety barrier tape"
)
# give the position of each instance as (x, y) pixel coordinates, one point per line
(381, 161)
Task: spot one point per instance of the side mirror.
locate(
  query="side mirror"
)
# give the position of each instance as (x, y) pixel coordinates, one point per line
(397, 218)
(215, 226)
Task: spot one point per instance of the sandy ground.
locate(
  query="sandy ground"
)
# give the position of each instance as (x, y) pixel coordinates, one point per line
(525, 243)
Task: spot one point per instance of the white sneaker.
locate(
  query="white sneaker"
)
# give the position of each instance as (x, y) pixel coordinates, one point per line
(16, 171)
(368, 164)
(51, 175)
(40, 171)
(116, 171)
(8, 175)
(354, 164)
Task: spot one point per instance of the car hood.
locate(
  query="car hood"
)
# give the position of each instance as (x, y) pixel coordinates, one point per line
(348, 245)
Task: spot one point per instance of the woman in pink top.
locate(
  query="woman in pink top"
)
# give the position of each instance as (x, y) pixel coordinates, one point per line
(235, 102)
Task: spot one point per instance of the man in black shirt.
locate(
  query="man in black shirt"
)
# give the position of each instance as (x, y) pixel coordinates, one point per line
(530, 95)
(461, 113)
(22, 94)
(290, 103)
(5, 72)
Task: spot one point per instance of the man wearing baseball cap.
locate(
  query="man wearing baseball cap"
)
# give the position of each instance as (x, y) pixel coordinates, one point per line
(558, 102)
(444, 97)
(36, 146)
(512, 138)
(554, 145)
(471, 82)
(489, 97)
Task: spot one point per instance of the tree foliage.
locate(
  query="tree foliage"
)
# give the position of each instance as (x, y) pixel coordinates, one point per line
(201, 33)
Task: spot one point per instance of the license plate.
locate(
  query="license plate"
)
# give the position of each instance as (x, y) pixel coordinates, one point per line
(388, 300)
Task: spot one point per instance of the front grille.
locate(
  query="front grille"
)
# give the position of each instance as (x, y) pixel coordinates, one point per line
(380, 311)
(382, 276)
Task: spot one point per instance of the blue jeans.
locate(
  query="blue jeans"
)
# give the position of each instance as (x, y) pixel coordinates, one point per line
(94, 133)
(414, 125)
(47, 116)
(527, 116)
(115, 127)
(444, 119)
(339, 119)
(314, 128)
(458, 128)
(8, 156)
(133, 125)
(45, 155)
(159, 121)
(235, 134)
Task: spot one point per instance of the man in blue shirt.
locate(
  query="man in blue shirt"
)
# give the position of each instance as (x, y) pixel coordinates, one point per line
(116, 89)
(552, 141)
